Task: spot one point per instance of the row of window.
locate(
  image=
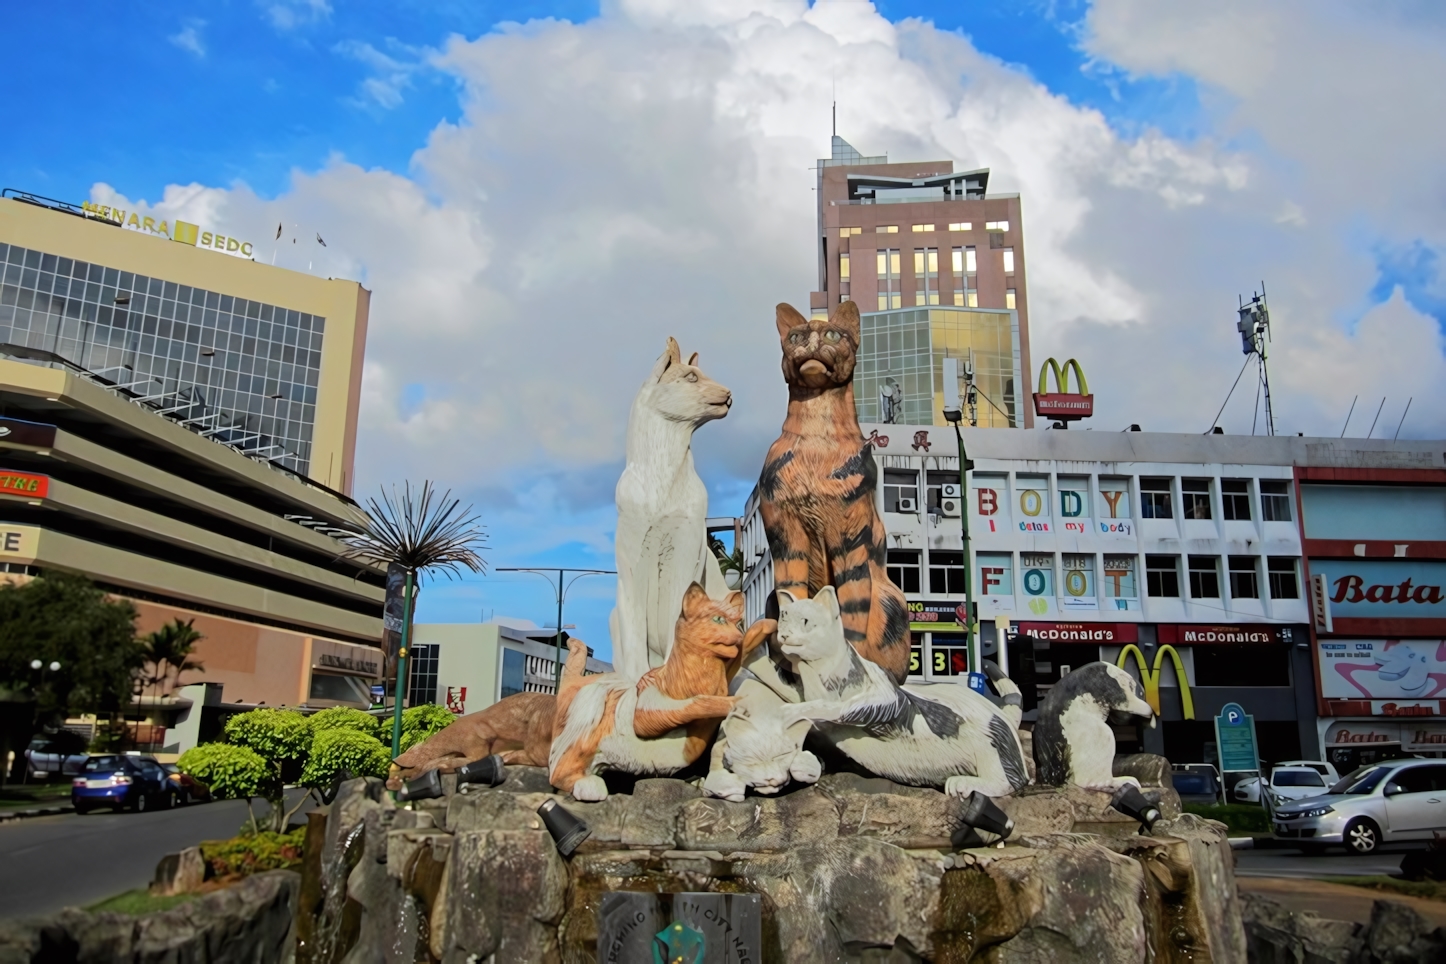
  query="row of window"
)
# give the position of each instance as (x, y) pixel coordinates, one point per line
(1156, 499)
(944, 574)
(923, 228)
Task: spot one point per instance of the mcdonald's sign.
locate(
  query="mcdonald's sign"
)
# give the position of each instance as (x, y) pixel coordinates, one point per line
(1063, 404)
(1150, 677)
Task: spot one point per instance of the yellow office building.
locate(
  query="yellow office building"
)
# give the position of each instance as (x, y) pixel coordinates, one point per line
(179, 423)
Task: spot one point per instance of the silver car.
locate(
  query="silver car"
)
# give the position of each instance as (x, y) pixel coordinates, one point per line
(1380, 803)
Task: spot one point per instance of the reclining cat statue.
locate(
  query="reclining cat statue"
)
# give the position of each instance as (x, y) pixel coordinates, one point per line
(662, 723)
(941, 735)
(1073, 742)
(519, 727)
(662, 540)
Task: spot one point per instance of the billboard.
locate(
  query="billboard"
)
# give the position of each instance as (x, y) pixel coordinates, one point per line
(1383, 588)
(1382, 669)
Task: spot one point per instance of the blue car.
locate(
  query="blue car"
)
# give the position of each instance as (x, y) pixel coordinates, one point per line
(121, 782)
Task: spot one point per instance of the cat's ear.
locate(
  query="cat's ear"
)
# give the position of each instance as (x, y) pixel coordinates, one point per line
(846, 316)
(789, 319)
(734, 601)
(827, 598)
(671, 356)
(695, 600)
(797, 730)
(785, 599)
(693, 359)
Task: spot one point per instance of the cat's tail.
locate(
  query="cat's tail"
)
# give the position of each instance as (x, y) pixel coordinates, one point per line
(1009, 696)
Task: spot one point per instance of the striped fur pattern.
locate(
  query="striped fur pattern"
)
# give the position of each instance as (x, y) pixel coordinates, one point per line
(662, 723)
(818, 488)
(941, 734)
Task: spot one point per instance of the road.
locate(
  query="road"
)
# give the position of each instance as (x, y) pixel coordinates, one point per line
(74, 861)
(1333, 863)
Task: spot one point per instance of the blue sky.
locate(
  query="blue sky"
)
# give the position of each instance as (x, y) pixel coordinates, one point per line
(1240, 141)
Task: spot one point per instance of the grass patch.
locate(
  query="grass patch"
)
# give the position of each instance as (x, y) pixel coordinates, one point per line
(138, 903)
(1239, 817)
(1428, 889)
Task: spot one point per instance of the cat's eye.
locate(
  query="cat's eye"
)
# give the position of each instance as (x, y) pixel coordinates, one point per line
(798, 338)
(831, 336)
(691, 376)
(719, 620)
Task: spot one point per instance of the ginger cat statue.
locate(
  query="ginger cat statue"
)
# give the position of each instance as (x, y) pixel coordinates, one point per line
(818, 489)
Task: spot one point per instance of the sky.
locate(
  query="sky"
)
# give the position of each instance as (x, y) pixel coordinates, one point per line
(540, 193)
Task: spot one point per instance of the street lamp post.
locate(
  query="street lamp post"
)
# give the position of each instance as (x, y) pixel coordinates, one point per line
(561, 588)
(954, 414)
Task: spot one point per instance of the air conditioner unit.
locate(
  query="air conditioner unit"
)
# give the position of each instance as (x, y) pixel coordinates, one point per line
(951, 491)
(951, 507)
(908, 505)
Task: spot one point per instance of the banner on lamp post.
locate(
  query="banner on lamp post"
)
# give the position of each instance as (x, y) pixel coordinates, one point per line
(393, 612)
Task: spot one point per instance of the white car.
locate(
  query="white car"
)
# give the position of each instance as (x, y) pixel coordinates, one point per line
(1248, 791)
(1294, 783)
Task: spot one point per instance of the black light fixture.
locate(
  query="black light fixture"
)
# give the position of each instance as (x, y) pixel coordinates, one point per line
(424, 787)
(488, 771)
(568, 830)
(1132, 803)
(983, 813)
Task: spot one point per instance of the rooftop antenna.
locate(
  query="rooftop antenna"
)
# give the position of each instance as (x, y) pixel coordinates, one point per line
(1254, 328)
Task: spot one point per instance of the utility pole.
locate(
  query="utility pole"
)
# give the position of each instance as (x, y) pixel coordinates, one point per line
(561, 587)
(954, 414)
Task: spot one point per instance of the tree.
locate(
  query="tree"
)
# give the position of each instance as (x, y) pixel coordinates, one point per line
(334, 751)
(168, 652)
(232, 773)
(64, 618)
(344, 718)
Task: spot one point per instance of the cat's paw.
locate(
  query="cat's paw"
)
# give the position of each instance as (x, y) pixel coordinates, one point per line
(805, 767)
(961, 786)
(591, 789)
(725, 785)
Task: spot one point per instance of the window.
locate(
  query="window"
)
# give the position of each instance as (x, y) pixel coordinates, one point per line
(1114, 499)
(1036, 573)
(514, 672)
(933, 483)
(422, 673)
(921, 228)
(950, 654)
(1246, 665)
(996, 225)
(1275, 500)
(965, 265)
(1155, 501)
(961, 226)
(848, 232)
(926, 275)
(843, 266)
(1162, 576)
(946, 571)
(996, 573)
(1283, 582)
(342, 689)
(1235, 499)
(1120, 578)
(900, 484)
(888, 270)
(1204, 577)
(1244, 577)
(903, 569)
(1009, 261)
(1009, 301)
(1425, 779)
(1195, 494)
(887, 229)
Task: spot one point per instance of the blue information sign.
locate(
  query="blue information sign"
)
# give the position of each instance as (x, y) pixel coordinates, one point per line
(1235, 736)
(979, 683)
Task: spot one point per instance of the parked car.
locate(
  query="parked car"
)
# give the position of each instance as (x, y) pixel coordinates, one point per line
(1248, 790)
(187, 788)
(1376, 804)
(1293, 783)
(1197, 783)
(121, 781)
(52, 753)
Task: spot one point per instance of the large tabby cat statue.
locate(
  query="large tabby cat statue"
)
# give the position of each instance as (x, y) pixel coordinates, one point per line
(818, 487)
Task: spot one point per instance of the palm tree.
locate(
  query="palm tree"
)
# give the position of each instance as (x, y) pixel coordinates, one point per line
(419, 533)
(168, 652)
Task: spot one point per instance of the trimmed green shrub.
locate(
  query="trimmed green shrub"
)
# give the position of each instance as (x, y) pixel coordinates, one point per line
(229, 772)
(1239, 817)
(278, 735)
(420, 722)
(337, 750)
(343, 718)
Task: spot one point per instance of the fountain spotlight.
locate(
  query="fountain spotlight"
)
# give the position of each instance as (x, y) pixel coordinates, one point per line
(487, 771)
(983, 813)
(568, 830)
(1132, 803)
(424, 787)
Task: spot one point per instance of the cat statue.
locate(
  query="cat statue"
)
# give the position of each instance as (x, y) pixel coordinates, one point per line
(1073, 742)
(518, 727)
(662, 540)
(817, 490)
(662, 723)
(942, 735)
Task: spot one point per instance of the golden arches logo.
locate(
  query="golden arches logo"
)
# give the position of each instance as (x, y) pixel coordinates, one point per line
(1150, 677)
(1061, 376)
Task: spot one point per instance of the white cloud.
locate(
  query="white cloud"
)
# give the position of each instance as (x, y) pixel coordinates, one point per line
(290, 14)
(391, 74)
(188, 38)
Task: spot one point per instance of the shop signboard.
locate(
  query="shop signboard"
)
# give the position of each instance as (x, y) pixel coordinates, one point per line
(1095, 634)
(1392, 670)
(1235, 736)
(1187, 634)
(1383, 588)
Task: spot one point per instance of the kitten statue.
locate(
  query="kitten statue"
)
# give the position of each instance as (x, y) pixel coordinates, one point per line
(660, 724)
(1073, 742)
(941, 734)
(817, 490)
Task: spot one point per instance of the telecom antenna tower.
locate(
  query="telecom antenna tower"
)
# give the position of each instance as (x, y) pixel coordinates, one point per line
(1254, 328)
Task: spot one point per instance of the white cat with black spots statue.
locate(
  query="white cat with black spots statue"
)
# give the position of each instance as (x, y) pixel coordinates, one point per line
(1073, 742)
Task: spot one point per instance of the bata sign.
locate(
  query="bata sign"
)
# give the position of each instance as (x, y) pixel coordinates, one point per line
(1383, 589)
(1412, 737)
(1101, 633)
(1063, 404)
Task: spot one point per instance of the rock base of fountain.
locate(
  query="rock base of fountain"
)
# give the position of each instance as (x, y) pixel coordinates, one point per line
(850, 869)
